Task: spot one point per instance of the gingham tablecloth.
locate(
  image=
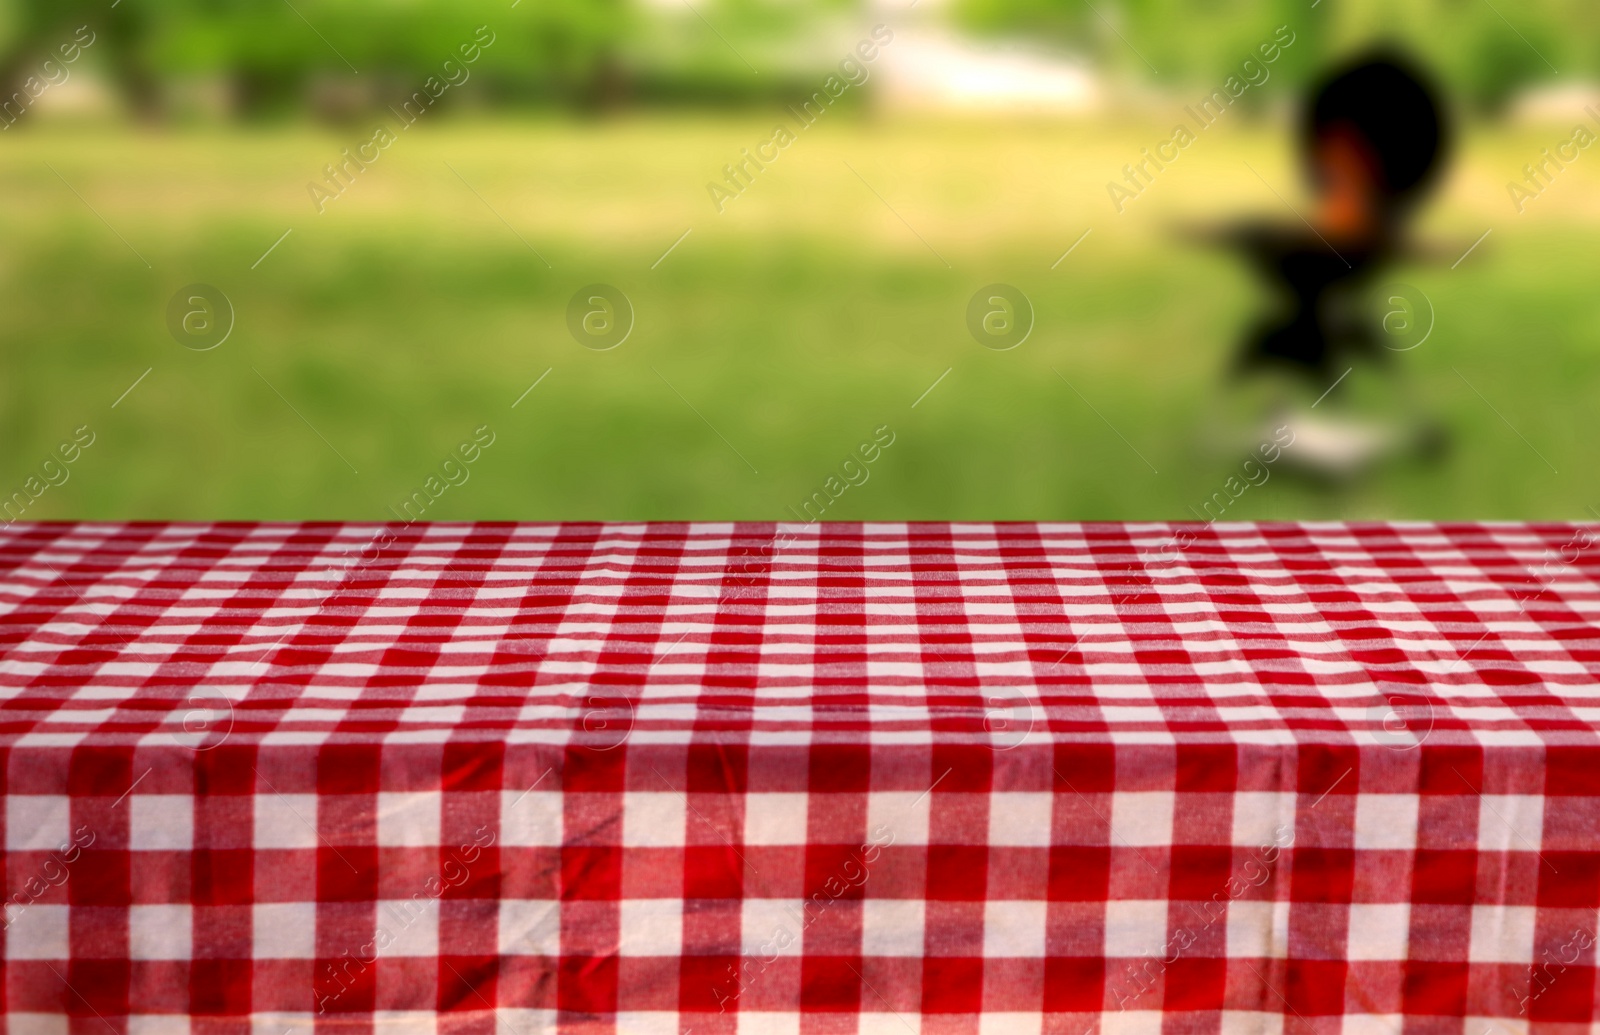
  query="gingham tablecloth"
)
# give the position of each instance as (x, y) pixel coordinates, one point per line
(663, 778)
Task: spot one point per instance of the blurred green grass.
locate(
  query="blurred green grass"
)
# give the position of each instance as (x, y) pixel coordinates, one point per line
(805, 315)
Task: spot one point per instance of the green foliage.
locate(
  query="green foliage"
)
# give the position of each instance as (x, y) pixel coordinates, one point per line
(1482, 53)
(275, 54)
(269, 55)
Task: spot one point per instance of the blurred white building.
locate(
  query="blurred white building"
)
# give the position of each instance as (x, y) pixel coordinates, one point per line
(932, 67)
(1564, 103)
(928, 67)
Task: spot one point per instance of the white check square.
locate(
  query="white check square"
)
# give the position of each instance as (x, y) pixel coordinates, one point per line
(1142, 817)
(772, 927)
(1502, 934)
(531, 819)
(1013, 929)
(1135, 928)
(530, 927)
(1258, 815)
(408, 927)
(38, 933)
(1254, 1022)
(158, 1024)
(893, 926)
(404, 1022)
(286, 820)
(1510, 822)
(775, 819)
(1386, 821)
(1389, 1023)
(903, 814)
(37, 822)
(1250, 929)
(160, 822)
(38, 1024)
(650, 927)
(766, 1023)
(874, 1022)
(284, 930)
(1020, 818)
(1130, 1022)
(1378, 932)
(162, 932)
(653, 819)
(409, 819)
(643, 1022)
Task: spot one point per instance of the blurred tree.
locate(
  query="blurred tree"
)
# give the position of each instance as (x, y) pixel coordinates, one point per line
(271, 55)
(279, 55)
(35, 29)
(733, 52)
(1482, 53)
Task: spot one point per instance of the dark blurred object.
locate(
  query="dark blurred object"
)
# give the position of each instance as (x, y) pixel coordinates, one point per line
(1373, 138)
(1375, 126)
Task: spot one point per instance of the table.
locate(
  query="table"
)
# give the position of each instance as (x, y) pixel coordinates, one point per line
(800, 778)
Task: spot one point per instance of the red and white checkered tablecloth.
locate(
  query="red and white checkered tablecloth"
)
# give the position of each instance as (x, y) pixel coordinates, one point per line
(734, 778)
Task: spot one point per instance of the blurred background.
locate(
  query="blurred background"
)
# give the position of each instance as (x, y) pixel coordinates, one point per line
(621, 259)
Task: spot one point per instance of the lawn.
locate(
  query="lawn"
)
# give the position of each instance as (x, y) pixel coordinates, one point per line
(769, 343)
